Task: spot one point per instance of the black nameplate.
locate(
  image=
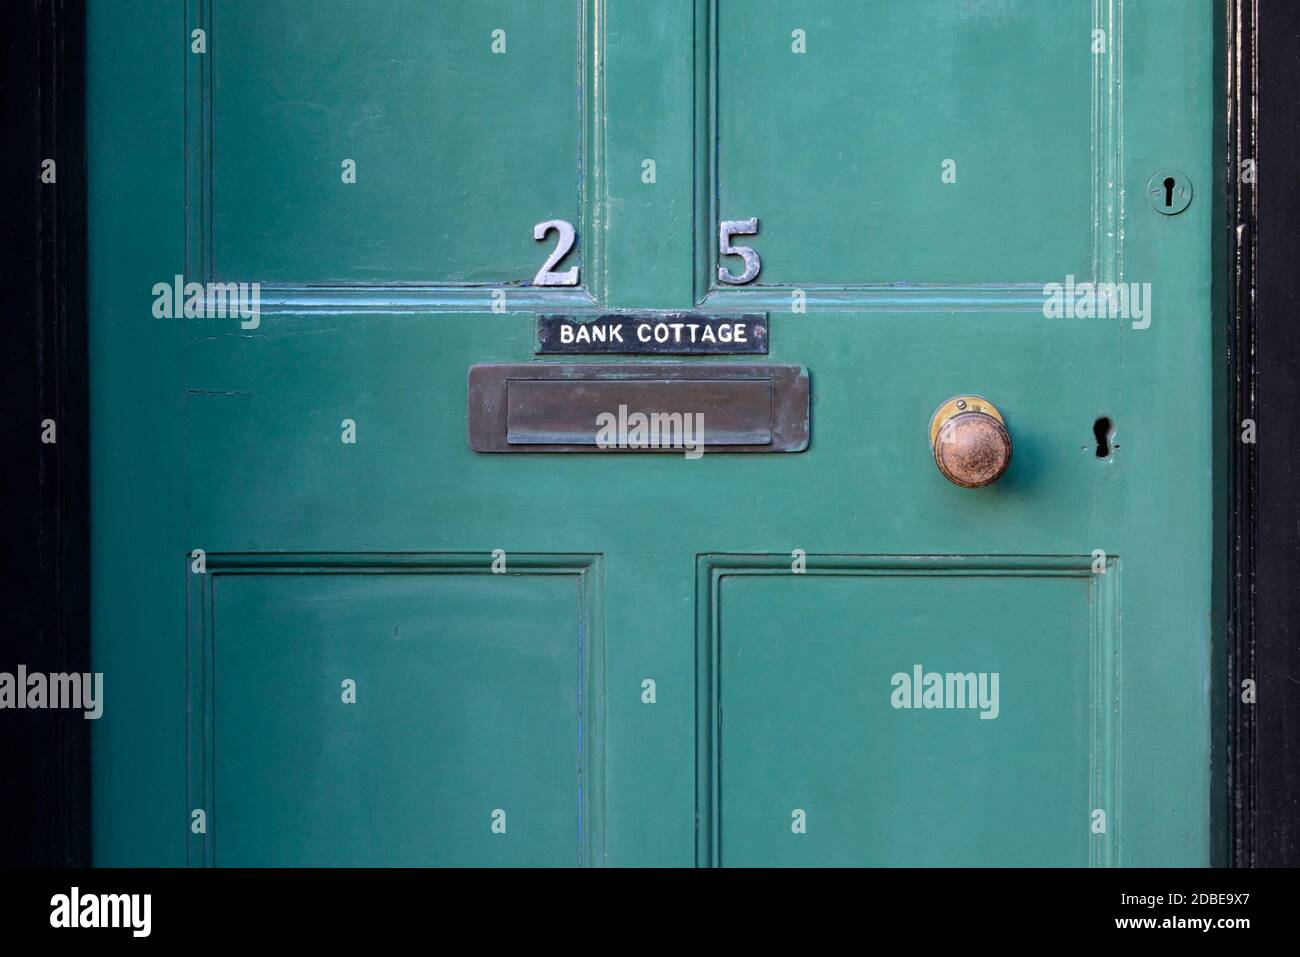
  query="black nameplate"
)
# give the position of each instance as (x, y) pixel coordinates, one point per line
(664, 334)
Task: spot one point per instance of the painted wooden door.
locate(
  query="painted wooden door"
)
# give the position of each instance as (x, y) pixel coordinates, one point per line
(333, 633)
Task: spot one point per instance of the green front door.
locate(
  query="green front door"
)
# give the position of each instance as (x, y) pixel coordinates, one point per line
(333, 633)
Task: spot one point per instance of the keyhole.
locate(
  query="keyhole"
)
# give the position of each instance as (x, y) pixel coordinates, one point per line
(1170, 183)
(1103, 428)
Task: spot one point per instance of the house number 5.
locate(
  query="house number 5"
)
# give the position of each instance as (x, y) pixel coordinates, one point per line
(737, 227)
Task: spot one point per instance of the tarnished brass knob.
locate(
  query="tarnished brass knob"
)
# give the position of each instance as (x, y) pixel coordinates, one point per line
(972, 446)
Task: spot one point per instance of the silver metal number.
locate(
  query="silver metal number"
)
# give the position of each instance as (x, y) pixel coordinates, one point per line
(546, 276)
(738, 227)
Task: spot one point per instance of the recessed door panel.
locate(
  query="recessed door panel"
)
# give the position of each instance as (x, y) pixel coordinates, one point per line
(910, 712)
(460, 122)
(390, 710)
(933, 141)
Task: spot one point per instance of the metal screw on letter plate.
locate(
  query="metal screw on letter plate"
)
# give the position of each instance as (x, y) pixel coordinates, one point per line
(1169, 192)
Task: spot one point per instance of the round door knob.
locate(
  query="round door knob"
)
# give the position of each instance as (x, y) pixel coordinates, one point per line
(972, 446)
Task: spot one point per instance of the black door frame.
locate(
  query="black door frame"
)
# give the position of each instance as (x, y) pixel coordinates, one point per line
(44, 487)
(1263, 65)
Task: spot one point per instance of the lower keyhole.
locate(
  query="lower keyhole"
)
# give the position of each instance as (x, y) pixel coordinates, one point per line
(1170, 183)
(1103, 428)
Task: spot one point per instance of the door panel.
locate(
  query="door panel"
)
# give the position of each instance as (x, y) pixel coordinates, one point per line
(647, 659)
(994, 765)
(452, 167)
(477, 700)
(841, 147)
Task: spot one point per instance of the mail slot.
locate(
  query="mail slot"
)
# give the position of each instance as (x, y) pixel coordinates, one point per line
(551, 412)
(540, 407)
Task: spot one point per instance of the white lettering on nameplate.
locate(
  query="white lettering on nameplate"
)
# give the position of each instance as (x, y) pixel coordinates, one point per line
(662, 334)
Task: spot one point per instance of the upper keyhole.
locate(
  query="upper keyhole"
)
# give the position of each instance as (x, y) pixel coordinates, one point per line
(1170, 183)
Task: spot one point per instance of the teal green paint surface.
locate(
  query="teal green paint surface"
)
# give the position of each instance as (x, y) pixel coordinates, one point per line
(419, 763)
(939, 769)
(451, 171)
(884, 95)
(523, 692)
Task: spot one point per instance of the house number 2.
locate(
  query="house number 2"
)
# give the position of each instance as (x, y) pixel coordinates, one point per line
(547, 276)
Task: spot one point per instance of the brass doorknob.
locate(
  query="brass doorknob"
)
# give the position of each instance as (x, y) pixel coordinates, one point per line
(972, 446)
